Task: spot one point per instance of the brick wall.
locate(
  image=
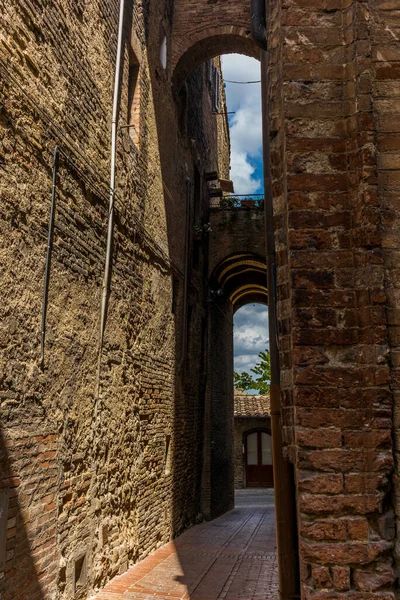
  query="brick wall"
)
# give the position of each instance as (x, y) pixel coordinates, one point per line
(332, 322)
(235, 231)
(381, 25)
(30, 479)
(224, 28)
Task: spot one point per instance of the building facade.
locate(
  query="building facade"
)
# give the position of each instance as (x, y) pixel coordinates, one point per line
(252, 440)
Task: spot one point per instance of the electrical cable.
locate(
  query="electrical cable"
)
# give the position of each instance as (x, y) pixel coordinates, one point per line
(241, 82)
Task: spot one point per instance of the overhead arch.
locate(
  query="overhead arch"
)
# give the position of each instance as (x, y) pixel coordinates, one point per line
(203, 29)
(215, 44)
(243, 279)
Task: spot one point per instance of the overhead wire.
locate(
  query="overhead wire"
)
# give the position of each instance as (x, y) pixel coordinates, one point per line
(241, 82)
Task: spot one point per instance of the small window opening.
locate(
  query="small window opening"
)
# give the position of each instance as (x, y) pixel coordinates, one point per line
(163, 53)
(217, 90)
(175, 295)
(168, 460)
(134, 99)
(80, 573)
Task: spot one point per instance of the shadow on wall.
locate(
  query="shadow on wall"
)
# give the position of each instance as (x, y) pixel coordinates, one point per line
(202, 469)
(25, 558)
(199, 446)
(201, 443)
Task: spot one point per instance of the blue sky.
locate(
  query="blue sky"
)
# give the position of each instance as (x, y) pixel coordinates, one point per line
(251, 321)
(245, 124)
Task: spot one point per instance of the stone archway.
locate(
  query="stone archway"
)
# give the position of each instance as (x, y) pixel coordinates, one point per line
(242, 277)
(218, 43)
(207, 29)
(235, 280)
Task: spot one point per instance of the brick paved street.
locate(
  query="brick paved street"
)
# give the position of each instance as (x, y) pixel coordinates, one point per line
(230, 558)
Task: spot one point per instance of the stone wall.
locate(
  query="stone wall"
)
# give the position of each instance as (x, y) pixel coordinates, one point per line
(333, 108)
(100, 461)
(224, 141)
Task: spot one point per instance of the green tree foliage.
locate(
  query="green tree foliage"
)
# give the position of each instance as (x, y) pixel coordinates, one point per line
(262, 383)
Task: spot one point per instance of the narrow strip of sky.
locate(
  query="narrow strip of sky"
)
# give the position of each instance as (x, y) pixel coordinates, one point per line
(251, 321)
(245, 124)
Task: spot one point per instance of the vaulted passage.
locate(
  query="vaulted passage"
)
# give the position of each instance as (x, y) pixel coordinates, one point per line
(242, 278)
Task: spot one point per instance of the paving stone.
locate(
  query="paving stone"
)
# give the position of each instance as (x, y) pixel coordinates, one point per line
(230, 558)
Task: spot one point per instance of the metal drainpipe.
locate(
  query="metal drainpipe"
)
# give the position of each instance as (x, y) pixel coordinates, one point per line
(117, 86)
(186, 282)
(258, 23)
(285, 492)
(49, 252)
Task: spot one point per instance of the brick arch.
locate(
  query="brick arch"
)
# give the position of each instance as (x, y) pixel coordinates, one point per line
(210, 44)
(243, 279)
(203, 29)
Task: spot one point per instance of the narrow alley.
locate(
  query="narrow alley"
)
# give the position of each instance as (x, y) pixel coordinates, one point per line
(232, 557)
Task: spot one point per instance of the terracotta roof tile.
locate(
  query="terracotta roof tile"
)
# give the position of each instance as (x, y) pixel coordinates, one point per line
(248, 405)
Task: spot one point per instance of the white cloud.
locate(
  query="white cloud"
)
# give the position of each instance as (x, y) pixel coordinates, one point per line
(246, 130)
(246, 124)
(250, 335)
(242, 172)
(244, 363)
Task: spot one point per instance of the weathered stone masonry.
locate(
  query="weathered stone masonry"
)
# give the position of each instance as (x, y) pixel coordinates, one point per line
(86, 474)
(333, 324)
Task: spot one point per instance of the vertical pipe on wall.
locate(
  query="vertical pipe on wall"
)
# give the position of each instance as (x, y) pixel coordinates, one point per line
(258, 23)
(49, 252)
(285, 493)
(117, 86)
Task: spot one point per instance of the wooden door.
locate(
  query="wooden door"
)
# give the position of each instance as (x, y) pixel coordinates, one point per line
(258, 459)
